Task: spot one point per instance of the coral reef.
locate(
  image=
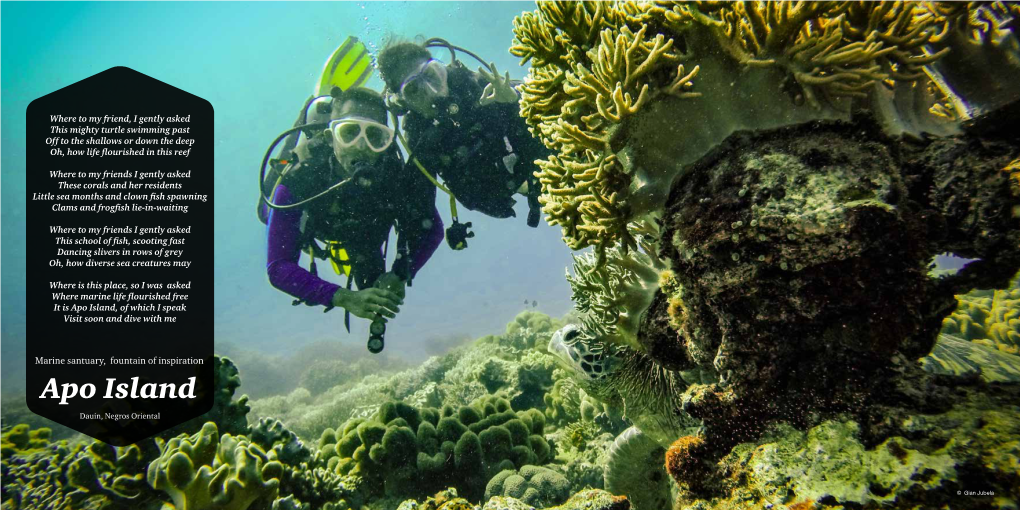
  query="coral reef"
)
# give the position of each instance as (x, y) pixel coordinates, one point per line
(513, 365)
(608, 81)
(406, 452)
(209, 471)
(989, 317)
(36, 474)
(922, 461)
(535, 485)
(316, 366)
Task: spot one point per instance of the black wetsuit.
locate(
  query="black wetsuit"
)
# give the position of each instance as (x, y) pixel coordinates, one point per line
(360, 214)
(471, 146)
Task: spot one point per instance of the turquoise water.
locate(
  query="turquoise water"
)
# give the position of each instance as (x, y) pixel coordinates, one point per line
(256, 63)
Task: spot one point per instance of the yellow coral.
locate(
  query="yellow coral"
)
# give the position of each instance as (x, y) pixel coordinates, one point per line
(988, 317)
(598, 65)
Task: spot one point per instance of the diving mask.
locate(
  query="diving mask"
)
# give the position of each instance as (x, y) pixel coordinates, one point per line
(428, 81)
(347, 131)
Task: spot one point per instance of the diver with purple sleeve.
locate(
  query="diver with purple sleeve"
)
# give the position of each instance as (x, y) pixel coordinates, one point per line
(347, 188)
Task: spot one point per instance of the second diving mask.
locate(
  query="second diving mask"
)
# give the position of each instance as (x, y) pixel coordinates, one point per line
(429, 80)
(347, 131)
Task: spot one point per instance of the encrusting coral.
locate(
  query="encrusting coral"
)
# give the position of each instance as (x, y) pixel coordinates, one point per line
(610, 80)
(406, 452)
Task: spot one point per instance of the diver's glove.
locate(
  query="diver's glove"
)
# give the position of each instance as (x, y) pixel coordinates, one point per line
(457, 235)
(499, 89)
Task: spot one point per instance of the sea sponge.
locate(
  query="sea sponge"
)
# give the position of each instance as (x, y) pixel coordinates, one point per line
(684, 463)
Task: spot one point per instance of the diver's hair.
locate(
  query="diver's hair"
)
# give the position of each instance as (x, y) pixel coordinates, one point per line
(397, 60)
(370, 99)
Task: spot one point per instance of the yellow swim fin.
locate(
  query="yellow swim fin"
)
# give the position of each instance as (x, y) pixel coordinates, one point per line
(349, 66)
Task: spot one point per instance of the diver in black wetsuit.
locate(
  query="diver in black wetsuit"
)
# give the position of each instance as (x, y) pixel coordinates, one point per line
(371, 192)
(466, 127)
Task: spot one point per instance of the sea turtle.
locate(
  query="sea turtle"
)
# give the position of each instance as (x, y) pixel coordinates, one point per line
(650, 397)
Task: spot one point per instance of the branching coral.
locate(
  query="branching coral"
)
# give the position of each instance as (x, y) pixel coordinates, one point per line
(598, 68)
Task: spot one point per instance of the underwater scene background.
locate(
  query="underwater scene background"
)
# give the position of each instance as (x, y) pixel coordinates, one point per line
(792, 236)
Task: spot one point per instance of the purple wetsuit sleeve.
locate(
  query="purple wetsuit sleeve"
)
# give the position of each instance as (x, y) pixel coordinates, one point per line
(428, 245)
(284, 236)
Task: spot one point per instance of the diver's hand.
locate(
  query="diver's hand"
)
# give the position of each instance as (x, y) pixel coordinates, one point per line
(499, 89)
(391, 282)
(369, 303)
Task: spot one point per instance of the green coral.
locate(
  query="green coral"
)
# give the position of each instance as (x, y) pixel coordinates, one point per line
(534, 485)
(116, 474)
(922, 460)
(206, 471)
(273, 436)
(407, 452)
(505, 364)
(563, 400)
(988, 317)
(21, 439)
(36, 475)
(231, 416)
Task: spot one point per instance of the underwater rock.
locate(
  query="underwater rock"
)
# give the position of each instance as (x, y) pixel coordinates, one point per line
(802, 257)
(443, 500)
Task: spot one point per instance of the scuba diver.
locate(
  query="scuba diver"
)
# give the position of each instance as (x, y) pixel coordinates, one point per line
(465, 127)
(346, 186)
